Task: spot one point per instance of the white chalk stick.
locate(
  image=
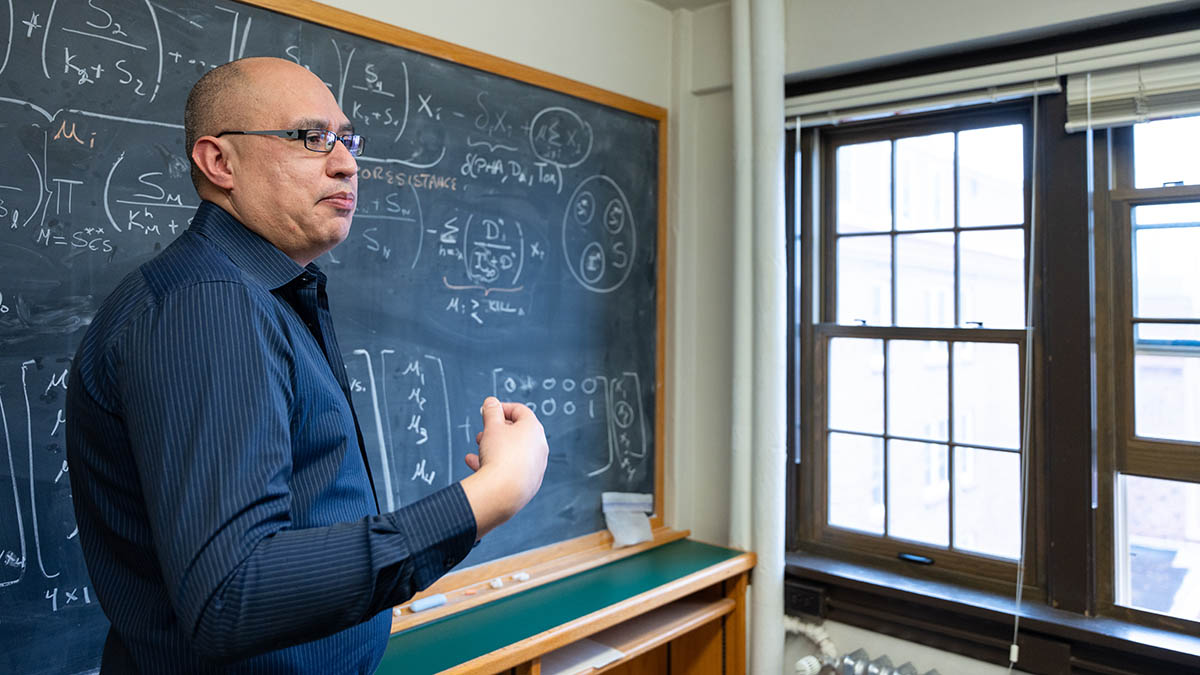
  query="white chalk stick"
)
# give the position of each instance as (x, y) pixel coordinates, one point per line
(428, 603)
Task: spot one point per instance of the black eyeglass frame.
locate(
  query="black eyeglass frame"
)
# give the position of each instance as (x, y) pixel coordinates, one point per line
(347, 140)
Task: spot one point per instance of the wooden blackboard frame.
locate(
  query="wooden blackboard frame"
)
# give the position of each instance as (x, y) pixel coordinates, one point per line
(554, 561)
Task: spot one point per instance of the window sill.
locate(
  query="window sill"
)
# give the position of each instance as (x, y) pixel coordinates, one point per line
(978, 623)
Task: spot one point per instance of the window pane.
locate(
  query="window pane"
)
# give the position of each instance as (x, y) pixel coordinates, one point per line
(991, 176)
(1167, 272)
(987, 502)
(917, 389)
(1167, 214)
(864, 280)
(918, 492)
(1166, 394)
(864, 187)
(925, 279)
(1158, 547)
(856, 482)
(925, 182)
(1159, 334)
(992, 278)
(986, 396)
(1164, 152)
(856, 385)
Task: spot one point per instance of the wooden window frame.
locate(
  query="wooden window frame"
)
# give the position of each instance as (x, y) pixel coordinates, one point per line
(815, 324)
(1120, 450)
(1069, 624)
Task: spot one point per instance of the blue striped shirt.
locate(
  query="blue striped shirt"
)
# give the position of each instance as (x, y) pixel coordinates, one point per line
(223, 500)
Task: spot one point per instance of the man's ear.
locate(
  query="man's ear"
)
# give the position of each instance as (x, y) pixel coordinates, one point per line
(211, 157)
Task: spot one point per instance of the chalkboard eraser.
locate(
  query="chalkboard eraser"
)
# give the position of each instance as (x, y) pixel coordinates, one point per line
(428, 603)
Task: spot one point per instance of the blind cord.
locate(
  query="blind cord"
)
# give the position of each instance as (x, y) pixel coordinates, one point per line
(1026, 411)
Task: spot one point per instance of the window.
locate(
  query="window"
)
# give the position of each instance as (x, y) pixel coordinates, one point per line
(915, 226)
(917, 343)
(911, 352)
(1153, 220)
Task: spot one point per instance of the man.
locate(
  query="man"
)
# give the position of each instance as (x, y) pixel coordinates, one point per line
(222, 495)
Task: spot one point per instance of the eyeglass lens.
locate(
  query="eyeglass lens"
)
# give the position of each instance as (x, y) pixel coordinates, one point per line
(322, 141)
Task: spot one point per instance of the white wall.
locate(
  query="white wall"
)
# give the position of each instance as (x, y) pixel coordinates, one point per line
(702, 297)
(830, 36)
(619, 45)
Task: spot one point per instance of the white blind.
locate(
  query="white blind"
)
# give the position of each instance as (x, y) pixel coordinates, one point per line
(968, 86)
(1131, 81)
(930, 103)
(1123, 96)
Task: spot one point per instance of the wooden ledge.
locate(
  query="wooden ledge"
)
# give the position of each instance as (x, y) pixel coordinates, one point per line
(639, 635)
(608, 617)
(470, 588)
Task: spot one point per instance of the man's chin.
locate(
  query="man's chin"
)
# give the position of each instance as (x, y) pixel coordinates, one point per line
(339, 234)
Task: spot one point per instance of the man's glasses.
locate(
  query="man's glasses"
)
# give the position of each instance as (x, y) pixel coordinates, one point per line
(317, 140)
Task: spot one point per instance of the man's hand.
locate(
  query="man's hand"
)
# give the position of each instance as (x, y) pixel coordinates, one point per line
(509, 466)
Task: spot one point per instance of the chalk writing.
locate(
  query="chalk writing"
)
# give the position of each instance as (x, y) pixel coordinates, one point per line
(420, 180)
(420, 413)
(560, 137)
(11, 559)
(613, 404)
(78, 594)
(119, 45)
(599, 236)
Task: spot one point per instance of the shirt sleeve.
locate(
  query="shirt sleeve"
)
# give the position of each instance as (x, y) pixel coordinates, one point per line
(205, 381)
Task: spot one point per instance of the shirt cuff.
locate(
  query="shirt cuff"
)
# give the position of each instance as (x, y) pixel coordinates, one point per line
(440, 530)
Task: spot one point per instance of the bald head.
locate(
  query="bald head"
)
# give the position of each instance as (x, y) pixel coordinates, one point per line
(297, 197)
(208, 106)
(238, 95)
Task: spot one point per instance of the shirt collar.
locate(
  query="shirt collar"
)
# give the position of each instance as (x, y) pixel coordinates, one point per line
(255, 256)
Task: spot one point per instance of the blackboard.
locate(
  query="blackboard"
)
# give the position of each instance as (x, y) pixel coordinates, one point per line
(507, 242)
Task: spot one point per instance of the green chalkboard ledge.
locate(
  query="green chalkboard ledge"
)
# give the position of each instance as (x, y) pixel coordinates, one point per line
(678, 607)
(472, 587)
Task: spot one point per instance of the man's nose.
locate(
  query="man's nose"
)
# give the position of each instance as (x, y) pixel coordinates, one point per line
(340, 162)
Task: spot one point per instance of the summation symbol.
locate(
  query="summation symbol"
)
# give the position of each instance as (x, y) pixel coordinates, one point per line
(560, 137)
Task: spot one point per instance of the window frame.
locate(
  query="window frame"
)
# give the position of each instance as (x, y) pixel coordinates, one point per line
(1120, 450)
(814, 323)
(1069, 622)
